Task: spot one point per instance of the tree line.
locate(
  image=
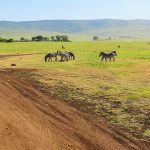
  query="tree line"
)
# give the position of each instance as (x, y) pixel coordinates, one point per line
(58, 38)
(39, 38)
(6, 40)
(96, 38)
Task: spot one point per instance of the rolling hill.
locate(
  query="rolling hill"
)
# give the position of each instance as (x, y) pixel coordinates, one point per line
(78, 29)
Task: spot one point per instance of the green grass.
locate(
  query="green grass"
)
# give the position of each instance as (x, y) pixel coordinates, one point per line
(147, 132)
(119, 91)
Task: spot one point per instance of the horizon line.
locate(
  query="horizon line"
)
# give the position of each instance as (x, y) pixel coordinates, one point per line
(70, 20)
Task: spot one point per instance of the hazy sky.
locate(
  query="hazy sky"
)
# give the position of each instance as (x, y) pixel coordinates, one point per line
(19, 10)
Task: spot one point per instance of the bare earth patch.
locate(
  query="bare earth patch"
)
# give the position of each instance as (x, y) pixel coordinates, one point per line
(31, 119)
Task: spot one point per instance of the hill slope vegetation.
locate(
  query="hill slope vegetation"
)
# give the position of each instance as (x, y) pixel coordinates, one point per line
(101, 27)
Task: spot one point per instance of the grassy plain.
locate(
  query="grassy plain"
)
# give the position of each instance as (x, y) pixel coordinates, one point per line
(118, 91)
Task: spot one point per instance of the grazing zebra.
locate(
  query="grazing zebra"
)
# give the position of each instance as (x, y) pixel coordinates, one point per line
(49, 56)
(71, 55)
(64, 55)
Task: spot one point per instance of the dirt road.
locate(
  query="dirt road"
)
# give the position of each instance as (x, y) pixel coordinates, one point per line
(31, 120)
(14, 55)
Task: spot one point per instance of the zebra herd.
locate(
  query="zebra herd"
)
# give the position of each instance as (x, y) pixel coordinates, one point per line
(66, 56)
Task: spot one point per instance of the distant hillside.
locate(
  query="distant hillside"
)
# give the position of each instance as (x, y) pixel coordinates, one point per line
(78, 29)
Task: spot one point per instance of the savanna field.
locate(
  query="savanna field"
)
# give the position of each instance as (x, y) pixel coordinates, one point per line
(119, 91)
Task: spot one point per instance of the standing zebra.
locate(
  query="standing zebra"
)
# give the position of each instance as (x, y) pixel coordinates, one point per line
(108, 55)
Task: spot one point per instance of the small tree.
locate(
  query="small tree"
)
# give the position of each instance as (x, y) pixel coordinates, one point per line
(95, 38)
(39, 38)
(64, 38)
(33, 39)
(46, 39)
(58, 37)
(53, 38)
(22, 39)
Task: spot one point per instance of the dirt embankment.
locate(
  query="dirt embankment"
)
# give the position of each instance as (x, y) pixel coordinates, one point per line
(30, 119)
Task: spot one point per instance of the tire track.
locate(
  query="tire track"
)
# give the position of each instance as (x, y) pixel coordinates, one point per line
(30, 119)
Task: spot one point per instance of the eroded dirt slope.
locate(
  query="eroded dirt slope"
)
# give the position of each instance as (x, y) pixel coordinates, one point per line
(31, 120)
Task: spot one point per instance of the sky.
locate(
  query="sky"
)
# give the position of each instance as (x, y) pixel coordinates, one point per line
(28, 10)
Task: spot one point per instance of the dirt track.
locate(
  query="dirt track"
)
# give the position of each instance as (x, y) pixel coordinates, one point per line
(14, 55)
(31, 120)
